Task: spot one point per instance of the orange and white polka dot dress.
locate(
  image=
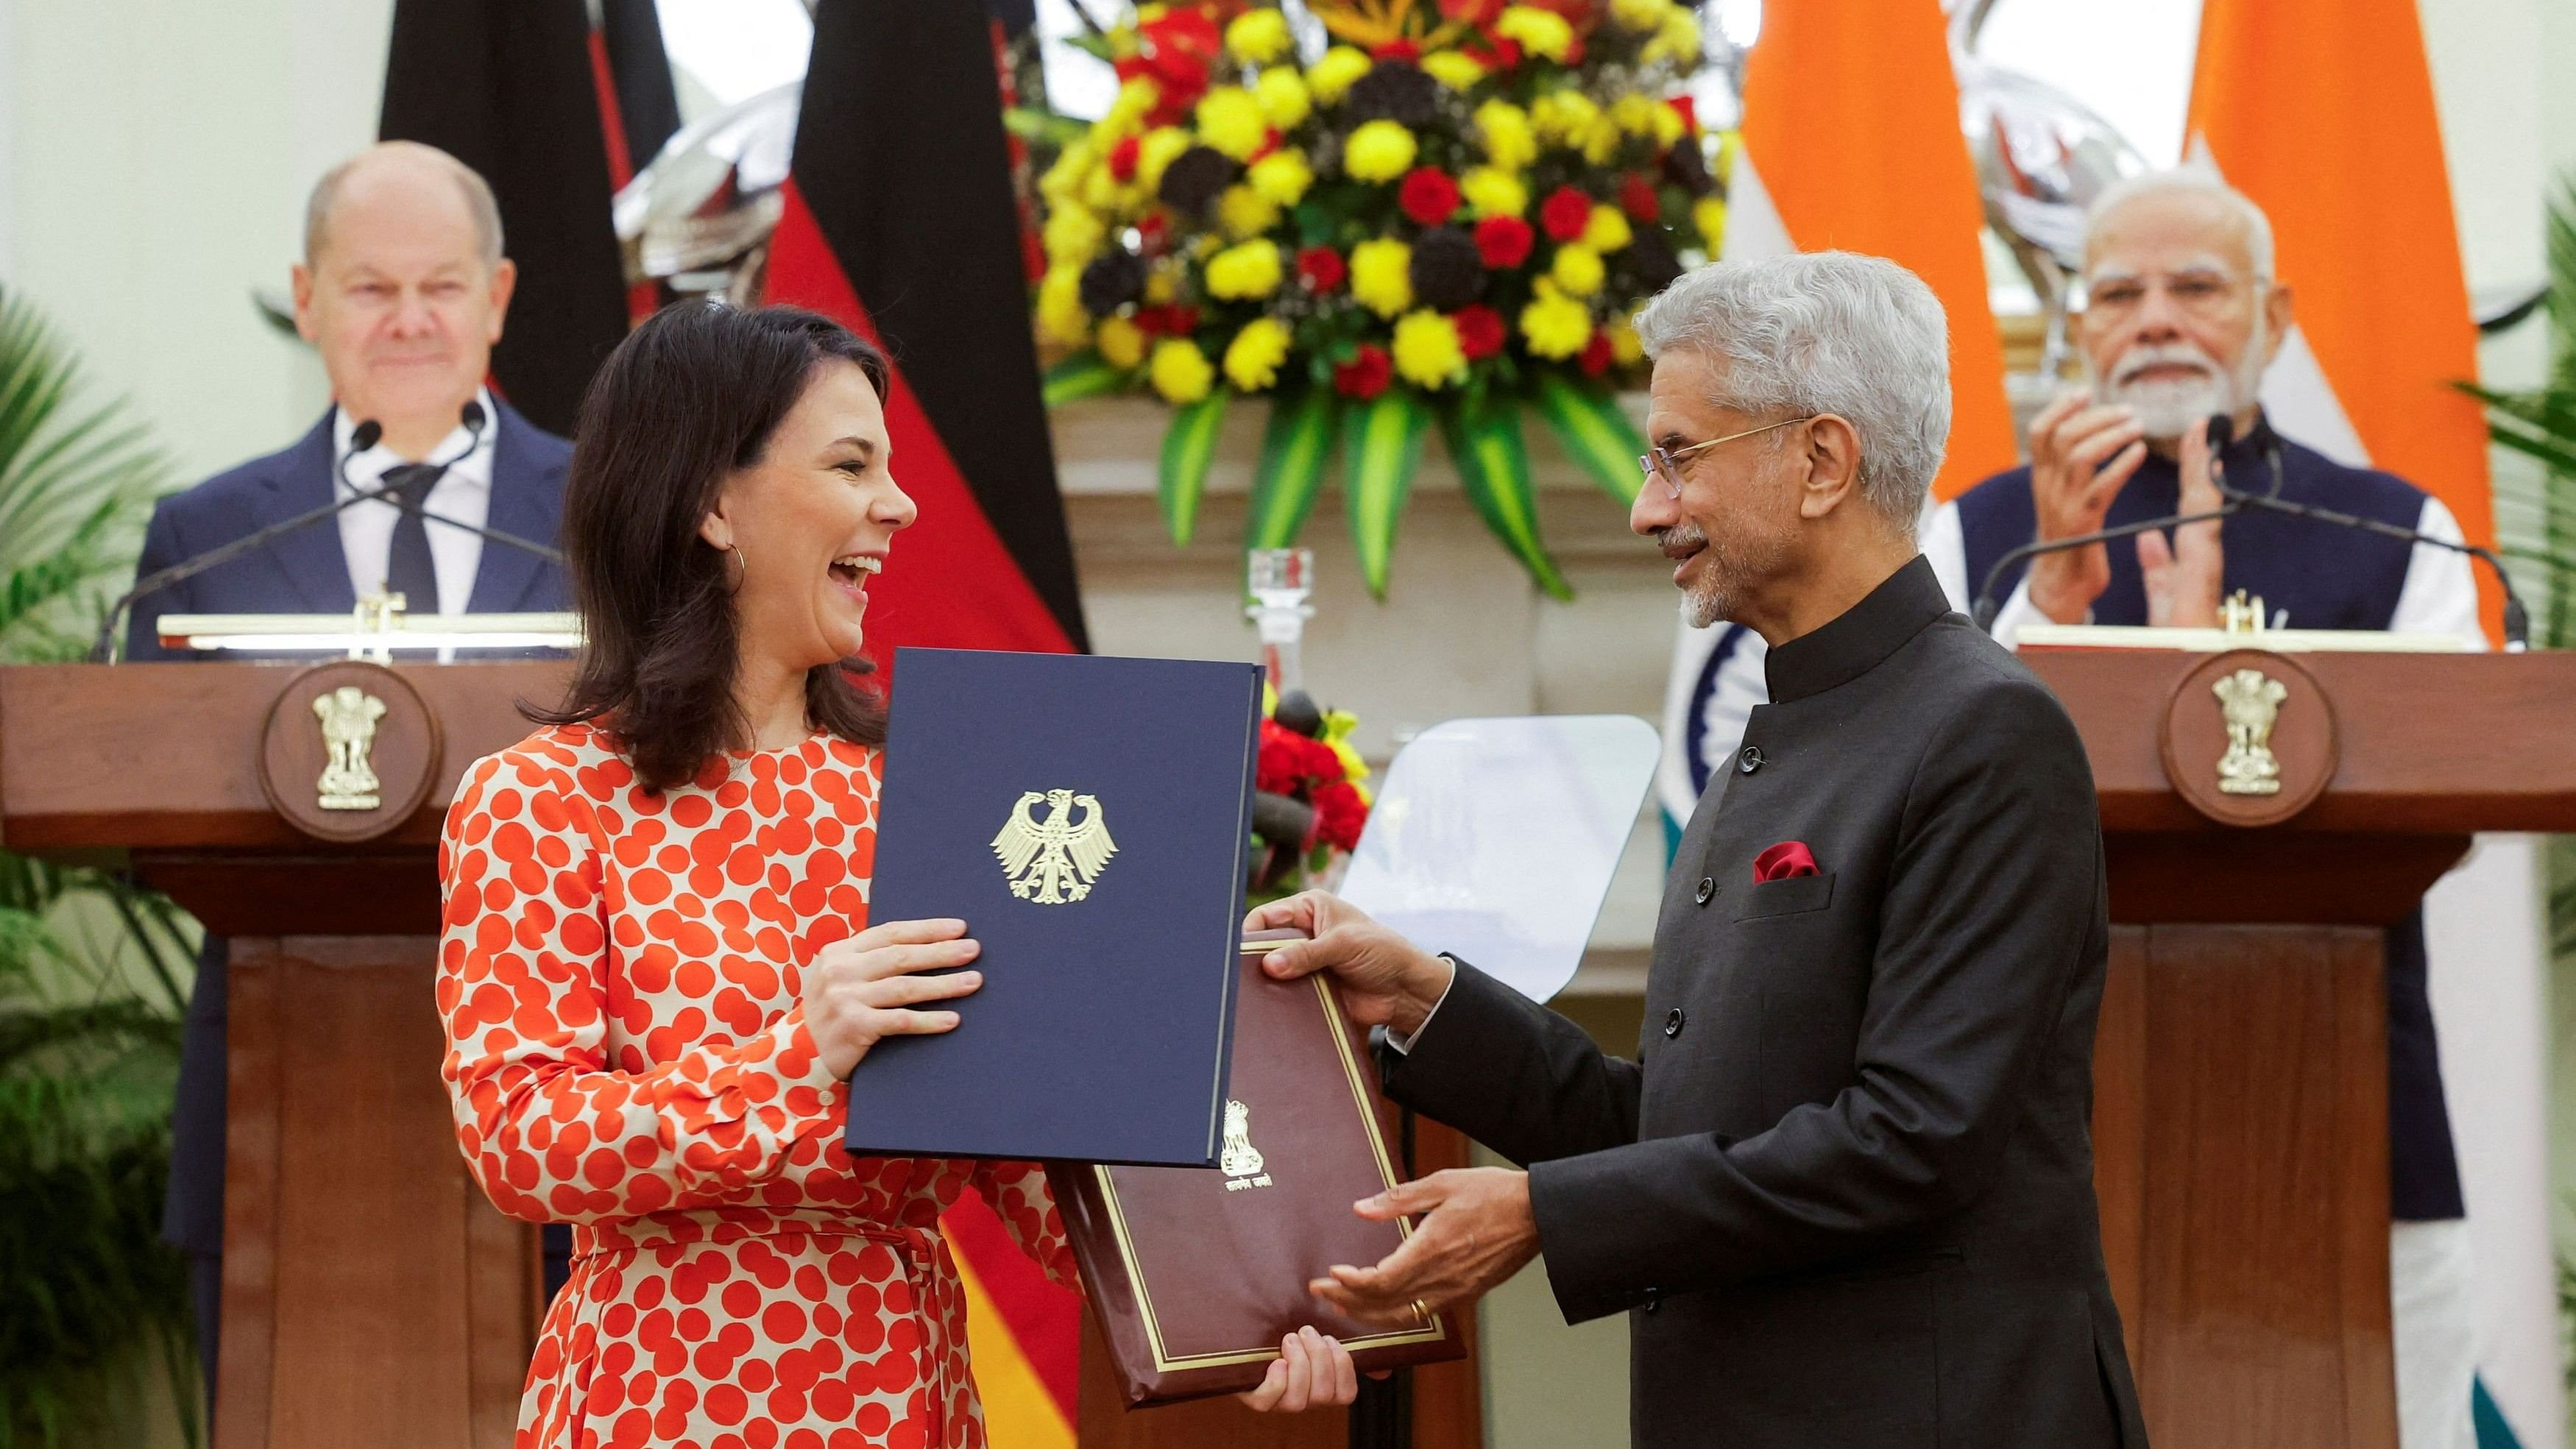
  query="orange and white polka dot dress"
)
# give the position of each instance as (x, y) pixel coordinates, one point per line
(620, 978)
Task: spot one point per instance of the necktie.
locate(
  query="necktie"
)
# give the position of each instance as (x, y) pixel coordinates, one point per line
(409, 569)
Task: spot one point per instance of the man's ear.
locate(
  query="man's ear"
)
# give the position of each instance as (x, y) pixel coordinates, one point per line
(505, 280)
(1833, 465)
(2278, 315)
(300, 280)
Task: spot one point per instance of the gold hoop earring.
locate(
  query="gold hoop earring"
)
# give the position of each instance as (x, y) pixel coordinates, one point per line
(741, 568)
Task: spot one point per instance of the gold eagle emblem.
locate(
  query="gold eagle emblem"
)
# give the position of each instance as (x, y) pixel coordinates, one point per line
(1054, 861)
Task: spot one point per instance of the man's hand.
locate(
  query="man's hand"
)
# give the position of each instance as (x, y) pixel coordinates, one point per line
(2183, 578)
(1479, 1232)
(1312, 1371)
(1386, 980)
(2080, 458)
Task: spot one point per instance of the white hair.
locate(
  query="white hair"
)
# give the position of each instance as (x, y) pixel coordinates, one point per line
(2192, 178)
(479, 203)
(1825, 332)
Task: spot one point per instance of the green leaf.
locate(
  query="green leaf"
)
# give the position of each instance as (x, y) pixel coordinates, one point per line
(1484, 438)
(1085, 374)
(1296, 447)
(1189, 446)
(1381, 447)
(1594, 431)
(1031, 124)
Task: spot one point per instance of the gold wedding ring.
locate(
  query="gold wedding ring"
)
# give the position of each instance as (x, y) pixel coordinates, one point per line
(1422, 1312)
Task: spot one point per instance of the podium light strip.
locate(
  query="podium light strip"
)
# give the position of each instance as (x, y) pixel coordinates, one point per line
(1164, 1362)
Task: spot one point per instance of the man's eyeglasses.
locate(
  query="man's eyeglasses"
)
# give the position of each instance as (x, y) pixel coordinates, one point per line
(1664, 466)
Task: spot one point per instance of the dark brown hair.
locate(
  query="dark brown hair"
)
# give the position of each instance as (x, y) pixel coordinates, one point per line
(689, 397)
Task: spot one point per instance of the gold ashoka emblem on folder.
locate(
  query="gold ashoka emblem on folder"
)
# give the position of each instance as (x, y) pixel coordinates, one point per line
(1054, 860)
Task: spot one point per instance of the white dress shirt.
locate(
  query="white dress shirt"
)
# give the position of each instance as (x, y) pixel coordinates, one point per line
(463, 493)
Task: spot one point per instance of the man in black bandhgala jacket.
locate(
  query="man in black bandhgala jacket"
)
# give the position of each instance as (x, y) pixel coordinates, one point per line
(1845, 1194)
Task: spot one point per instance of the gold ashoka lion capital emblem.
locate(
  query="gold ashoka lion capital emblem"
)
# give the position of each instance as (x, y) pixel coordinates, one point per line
(348, 716)
(1054, 860)
(2250, 702)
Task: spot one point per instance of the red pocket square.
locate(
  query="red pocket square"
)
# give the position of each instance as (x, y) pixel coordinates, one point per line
(1788, 858)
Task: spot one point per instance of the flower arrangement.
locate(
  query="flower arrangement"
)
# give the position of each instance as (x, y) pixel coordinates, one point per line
(1310, 797)
(1446, 215)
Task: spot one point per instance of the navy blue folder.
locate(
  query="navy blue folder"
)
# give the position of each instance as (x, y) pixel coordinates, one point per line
(1087, 817)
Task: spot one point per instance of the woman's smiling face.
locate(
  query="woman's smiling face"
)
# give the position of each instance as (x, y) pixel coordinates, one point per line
(811, 523)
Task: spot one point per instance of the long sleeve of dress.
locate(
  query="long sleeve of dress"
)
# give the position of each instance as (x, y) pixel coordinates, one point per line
(1018, 1195)
(550, 1130)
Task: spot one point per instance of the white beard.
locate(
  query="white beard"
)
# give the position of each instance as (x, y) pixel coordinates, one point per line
(2167, 408)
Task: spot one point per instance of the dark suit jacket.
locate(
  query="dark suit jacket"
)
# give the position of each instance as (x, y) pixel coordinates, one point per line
(1846, 1193)
(304, 572)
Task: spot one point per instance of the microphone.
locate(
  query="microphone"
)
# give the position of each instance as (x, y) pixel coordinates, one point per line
(103, 648)
(473, 419)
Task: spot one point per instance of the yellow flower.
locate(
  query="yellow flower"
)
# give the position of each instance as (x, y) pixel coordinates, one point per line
(1160, 289)
(1601, 142)
(1382, 275)
(1135, 98)
(1121, 342)
(1252, 359)
(1555, 325)
(1283, 97)
(1678, 40)
(1492, 191)
(1564, 118)
(1669, 128)
(1541, 32)
(1180, 372)
(1240, 273)
(1625, 345)
(1332, 77)
(1060, 315)
(1073, 235)
(1452, 69)
(1258, 36)
(1426, 350)
(1282, 176)
(1505, 129)
(1709, 215)
(1245, 212)
(1161, 147)
(1641, 15)
(1577, 269)
(1354, 769)
(1378, 151)
(1101, 191)
(1636, 114)
(1231, 121)
(1607, 231)
(1065, 177)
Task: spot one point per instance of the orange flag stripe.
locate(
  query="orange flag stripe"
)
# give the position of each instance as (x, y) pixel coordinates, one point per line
(1851, 115)
(2343, 148)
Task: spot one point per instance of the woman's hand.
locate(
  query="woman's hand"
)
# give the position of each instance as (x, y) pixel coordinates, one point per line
(857, 990)
(1311, 1372)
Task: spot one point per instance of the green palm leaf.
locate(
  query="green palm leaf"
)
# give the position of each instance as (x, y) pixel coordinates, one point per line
(1484, 438)
(1189, 447)
(1381, 447)
(1595, 433)
(1296, 447)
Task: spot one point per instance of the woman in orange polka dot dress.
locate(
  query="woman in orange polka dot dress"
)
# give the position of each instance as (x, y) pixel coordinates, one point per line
(657, 973)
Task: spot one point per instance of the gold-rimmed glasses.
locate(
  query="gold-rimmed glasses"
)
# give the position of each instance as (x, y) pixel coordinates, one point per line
(1665, 465)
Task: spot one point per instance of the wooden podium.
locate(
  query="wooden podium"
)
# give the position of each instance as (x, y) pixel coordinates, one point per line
(2240, 1116)
(371, 1294)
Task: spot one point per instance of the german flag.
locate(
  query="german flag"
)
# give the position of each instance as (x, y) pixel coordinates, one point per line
(900, 222)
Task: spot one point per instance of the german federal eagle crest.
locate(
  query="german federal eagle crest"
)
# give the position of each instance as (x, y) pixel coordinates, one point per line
(1054, 861)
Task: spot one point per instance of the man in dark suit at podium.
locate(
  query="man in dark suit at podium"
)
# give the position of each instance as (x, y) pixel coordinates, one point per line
(402, 290)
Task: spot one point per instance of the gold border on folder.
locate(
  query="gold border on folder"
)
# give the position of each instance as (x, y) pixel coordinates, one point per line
(1163, 1361)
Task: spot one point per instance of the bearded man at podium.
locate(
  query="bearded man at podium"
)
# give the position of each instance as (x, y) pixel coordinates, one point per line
(2183, 315)
(402, 291)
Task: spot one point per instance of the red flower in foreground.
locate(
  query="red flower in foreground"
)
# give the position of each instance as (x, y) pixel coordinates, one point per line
(1480, 330)
(1169, 320)
(1428, 195)
(1596, 354)
(1122, 158)
(1366, 375)
(1340, 815)
(1397, 50)
(1493, 52)
(1504, 241)
(1565, 213)
(1321, 269)
(1637, 197)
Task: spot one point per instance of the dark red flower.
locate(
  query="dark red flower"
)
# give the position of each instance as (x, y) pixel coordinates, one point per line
(1565, 213)
(1396, 50)
(1122, 158)
(1176, 51)
(1340, 816)
(1321, 269)
(1596, 354)
(1153, 231)
(1428, 195)
(1480, 330)
(1689, 112)
(1493, 52)
(1637, 197)
(1504, 241)
(1366, 375)
(1168, 320)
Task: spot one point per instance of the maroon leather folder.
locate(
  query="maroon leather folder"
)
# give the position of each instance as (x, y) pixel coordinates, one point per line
(1196, 1274)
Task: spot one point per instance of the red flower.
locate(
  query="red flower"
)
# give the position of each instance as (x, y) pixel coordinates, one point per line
(1491, 51)
(1565, 213)
(1176, 52)
(1340, 815)
(1366, 375)
(1596, 354)
(1122, 158)
(1168, 320)
(1321, 269)
(1689, 112)
(1471, 12)
(1637, 197)
(1153, 233)
(1283, 767)
(1480, 330)
(1504, 241)
(1427, 195)
(1398, 49)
